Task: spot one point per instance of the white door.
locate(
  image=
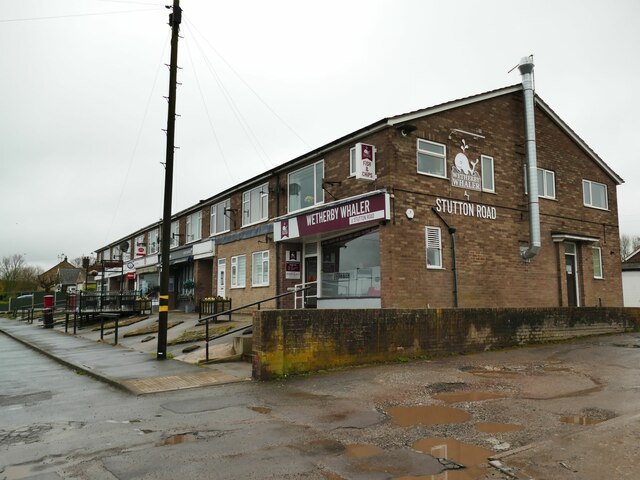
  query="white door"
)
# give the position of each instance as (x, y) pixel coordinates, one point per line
(222, 275)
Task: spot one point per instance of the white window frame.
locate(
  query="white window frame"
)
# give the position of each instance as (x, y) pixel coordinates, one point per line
(442, 156)
(239, 271)
(263, 191)
(318, 191)
(174, 240)
(194, 227)
(260, 269)
(433, 241)
(486, 163)
(542, 188)
(352, 162)
(220, 209)
(587, 187)
(597, 262)
(152, 242)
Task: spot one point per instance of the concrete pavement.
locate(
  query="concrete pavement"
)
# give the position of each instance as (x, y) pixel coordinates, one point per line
(134, 371)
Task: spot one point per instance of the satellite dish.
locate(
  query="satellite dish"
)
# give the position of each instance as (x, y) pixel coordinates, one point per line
(124, 246)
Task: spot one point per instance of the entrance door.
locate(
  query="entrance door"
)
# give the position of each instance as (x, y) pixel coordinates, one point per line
(222, 275)
(311, 275)
(571, 273)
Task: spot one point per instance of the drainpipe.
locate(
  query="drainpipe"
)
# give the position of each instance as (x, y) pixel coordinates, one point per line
(526, 70)
(454, 269)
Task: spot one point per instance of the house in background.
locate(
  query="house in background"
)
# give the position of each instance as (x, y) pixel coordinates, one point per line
(631, 280)
(63, 277)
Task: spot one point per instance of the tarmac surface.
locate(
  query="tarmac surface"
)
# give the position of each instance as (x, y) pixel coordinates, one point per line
(561, 411)
(134, 370)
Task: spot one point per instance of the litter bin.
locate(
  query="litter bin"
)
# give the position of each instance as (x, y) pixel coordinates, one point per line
(48, 311)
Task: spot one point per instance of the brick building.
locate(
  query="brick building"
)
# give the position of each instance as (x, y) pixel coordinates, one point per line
(427, 209)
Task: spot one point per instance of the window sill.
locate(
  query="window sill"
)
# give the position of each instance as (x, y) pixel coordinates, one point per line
(255, 223)
(238, 288)
(211, 235)
(260, 286)
(596, 208)
(433, 175)
(435, 268)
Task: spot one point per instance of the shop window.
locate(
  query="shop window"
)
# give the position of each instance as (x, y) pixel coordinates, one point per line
(255, 205)
(174, 241)
(238, 271)
(434, 247)
(432, 159)
(594, 195)
(351, 265)
(546, 183)
(597, 262)
(488, 183)
(220, 222)
(260, 269)
(194, 227)
(305, 187)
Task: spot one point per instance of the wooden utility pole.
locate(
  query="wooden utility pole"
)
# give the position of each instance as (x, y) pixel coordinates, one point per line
(175, 18)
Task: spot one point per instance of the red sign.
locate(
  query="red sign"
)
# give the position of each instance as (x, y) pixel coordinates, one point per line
(131, 275)
(141, 251)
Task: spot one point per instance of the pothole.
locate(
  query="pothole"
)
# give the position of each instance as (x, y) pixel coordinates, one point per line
(179, 438)
(427, 415)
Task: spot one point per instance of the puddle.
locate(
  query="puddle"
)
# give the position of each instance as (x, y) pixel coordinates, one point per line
(456, 397)
(473, 473)
(498, 427)
(263, 410)
(471, 456)
(427, 415)
(576, 420)
(363, 451)
(178, 439)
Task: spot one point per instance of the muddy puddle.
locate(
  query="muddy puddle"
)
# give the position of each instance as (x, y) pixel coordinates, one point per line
(577, 420)
(259, 409)
(363, 451)
(427, 415)
(456, 397)
(470, 456)
(498, 427)
(178, 439)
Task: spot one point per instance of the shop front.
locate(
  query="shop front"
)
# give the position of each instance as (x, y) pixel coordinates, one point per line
(334, 250)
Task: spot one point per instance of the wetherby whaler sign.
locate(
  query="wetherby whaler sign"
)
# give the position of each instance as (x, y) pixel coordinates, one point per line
(356, 212)
(463, 171)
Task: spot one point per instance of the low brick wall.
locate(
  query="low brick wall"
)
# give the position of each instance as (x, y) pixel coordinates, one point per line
(287, 342)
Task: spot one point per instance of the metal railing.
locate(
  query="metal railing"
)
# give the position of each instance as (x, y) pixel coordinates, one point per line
(229, 312)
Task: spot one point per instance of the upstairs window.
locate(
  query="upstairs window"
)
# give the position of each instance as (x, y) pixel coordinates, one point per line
(546, 183)
(220, 222)
(305, 187)
(153, 241)
(488, 183)
(174, 241)
(432, 159)
(434, 247)
(194, 227)
(255, 205)
(594, 195)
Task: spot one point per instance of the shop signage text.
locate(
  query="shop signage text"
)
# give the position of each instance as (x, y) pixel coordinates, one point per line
(467, 209)
(355, 212)
(365, 162)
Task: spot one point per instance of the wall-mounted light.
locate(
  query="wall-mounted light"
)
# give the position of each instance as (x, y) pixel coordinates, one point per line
(406, 129)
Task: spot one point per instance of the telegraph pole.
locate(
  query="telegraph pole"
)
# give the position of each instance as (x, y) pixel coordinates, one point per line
(163, 311)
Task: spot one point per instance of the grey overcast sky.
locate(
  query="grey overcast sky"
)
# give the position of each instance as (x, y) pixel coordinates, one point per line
(83, 81)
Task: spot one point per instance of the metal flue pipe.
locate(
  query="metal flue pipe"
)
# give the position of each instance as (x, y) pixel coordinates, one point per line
(526, 70)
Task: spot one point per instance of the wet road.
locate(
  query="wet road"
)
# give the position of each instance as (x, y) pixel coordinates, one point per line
(380, 422)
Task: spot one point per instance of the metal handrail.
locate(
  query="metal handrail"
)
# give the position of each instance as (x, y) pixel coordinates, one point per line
(230, 311)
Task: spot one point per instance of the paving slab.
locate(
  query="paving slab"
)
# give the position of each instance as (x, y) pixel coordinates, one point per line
(133, 371)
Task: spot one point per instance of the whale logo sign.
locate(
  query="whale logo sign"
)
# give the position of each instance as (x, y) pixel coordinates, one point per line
(463, 171)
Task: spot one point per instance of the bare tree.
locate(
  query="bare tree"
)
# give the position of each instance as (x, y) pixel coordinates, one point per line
(628, 245)
(17, 275)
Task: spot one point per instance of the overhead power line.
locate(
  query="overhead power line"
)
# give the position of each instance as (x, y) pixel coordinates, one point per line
(73, 15)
